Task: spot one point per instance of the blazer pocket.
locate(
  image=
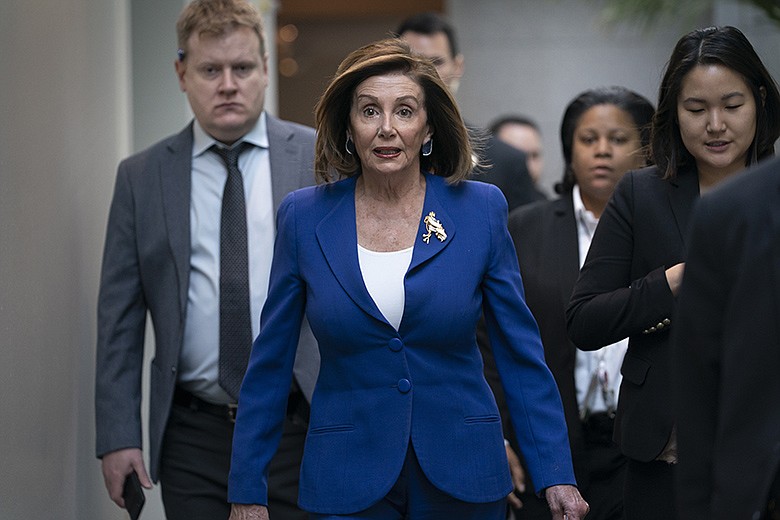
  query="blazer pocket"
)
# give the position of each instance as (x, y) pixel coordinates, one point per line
(334, 428)
(635, 369)
(482, 419)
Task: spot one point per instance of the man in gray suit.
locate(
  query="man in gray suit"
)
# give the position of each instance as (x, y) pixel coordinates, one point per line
(170, 253)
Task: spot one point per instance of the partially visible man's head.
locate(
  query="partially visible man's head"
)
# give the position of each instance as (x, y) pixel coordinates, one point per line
(522, 133)
(222, 65)
(432, 36)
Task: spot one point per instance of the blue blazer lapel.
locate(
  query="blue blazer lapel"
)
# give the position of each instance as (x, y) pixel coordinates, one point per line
(435, 198)
(175, 171)
(337, 236)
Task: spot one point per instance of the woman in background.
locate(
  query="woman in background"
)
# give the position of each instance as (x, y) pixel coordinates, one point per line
(604, 133)
(718, 112)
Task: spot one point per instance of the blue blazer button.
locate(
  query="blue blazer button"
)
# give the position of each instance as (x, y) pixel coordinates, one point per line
(404, 386)
(395, 344)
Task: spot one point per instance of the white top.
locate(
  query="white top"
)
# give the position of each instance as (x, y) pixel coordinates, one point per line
(383, 274)
(199, 358)
(596, 373)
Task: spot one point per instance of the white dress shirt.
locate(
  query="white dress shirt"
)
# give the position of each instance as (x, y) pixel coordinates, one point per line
(198, 368)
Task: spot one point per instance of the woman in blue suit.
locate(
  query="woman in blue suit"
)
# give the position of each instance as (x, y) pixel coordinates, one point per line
(393, 264)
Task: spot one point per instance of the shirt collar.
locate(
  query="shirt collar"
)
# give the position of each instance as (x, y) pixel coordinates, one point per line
(585, 217)
(202, 141)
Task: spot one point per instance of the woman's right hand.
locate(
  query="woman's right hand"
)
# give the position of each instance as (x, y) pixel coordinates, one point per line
(674, 277)
(248, 512)
(566, 503)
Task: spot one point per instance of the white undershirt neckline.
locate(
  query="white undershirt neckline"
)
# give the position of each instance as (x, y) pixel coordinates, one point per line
(383, 274)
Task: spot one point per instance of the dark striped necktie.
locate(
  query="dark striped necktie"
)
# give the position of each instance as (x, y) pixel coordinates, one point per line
(235, 325)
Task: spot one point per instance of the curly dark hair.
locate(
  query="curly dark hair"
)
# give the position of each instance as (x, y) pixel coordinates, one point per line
(636, 106)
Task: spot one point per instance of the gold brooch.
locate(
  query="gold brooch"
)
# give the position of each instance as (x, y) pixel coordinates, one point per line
(433, 226)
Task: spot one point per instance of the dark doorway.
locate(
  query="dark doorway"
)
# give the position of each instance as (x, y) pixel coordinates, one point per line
(313, 36)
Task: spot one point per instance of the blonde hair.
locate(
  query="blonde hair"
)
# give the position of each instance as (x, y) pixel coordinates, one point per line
(216, 18)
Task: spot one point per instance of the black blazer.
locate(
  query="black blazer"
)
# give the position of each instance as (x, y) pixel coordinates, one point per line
(726, 350)
(622, 292)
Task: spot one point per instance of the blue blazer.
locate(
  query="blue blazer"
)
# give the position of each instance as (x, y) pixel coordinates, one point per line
(378, 388)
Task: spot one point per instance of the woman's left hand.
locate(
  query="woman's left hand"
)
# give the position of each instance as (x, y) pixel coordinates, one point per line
(566, 503)
(518, 477)
(248, 512)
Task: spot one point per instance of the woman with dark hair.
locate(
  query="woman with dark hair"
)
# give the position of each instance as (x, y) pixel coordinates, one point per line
(718, 112)
(392, 260)
(604, 133)
(640, 113)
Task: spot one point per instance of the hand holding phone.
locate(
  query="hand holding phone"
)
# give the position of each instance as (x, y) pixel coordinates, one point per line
(133, 495)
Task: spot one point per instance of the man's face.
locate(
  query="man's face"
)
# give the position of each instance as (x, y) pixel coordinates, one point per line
(225, 78)
(436, 48)
(527, 139)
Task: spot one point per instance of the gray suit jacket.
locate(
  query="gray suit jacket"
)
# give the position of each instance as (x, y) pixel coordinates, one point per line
(146, 264)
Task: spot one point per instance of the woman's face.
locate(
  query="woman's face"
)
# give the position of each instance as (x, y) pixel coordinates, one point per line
(389, 124)
(717, 116)
(606, 145)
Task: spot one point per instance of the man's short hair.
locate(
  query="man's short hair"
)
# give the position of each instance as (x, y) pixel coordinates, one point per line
(429, 24)
(496, 125)
(217, 18)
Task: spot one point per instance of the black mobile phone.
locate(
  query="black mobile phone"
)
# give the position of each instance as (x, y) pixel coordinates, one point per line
(133, 494)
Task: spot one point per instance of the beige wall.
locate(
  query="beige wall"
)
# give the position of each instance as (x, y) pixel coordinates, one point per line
(64, 124)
